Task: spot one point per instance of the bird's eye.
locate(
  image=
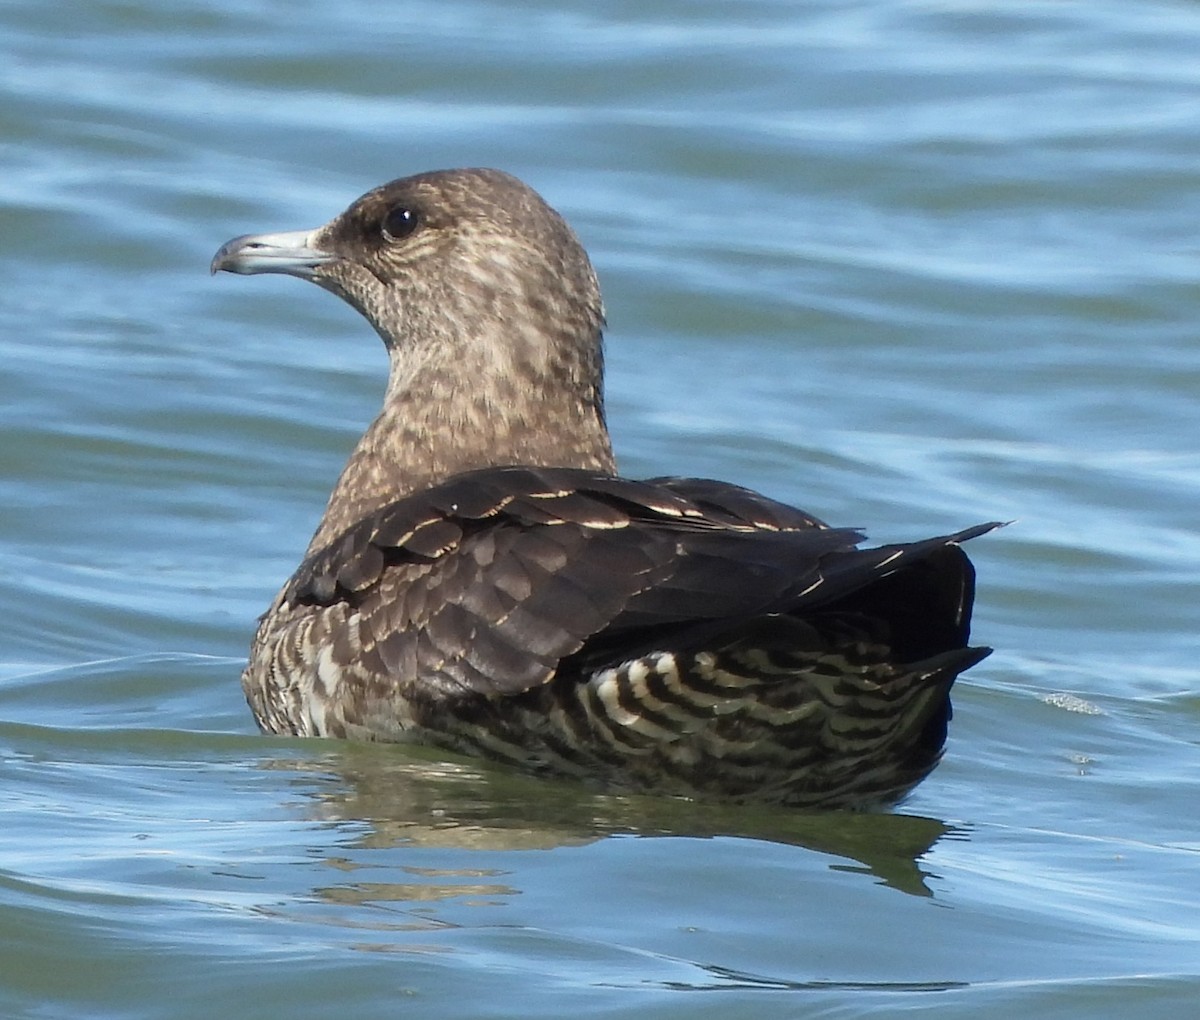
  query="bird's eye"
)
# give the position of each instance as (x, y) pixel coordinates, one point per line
(399, 223)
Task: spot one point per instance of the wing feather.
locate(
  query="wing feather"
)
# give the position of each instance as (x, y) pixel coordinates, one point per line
(489, 580)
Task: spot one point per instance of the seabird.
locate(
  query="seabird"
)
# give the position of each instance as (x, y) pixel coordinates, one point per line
(483, 581)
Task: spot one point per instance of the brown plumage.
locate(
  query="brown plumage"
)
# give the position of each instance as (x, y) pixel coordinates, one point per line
(482, 581)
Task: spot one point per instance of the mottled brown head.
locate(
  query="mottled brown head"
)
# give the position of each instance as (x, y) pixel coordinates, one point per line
(454, 244)
(491, 314)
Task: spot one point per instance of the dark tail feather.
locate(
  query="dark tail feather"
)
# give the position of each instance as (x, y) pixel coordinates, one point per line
(926, 601)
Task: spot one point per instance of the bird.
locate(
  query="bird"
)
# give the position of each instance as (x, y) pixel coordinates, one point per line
(483, 581)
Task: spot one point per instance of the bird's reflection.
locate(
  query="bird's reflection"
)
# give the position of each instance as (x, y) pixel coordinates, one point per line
(411, 796)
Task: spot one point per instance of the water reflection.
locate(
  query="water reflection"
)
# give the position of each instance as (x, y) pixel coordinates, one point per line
(721, 978)
(409, 796)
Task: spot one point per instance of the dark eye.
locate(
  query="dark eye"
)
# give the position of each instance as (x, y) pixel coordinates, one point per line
(399, 223)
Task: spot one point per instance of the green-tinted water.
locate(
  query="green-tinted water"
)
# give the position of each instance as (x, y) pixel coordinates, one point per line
(910, 265)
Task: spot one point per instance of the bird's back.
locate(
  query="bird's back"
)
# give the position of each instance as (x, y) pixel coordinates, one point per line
(682, 635)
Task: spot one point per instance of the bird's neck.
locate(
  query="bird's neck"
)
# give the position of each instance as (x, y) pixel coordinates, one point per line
(439, 420)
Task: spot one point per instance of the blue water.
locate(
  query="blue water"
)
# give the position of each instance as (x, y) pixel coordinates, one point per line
(909, 265)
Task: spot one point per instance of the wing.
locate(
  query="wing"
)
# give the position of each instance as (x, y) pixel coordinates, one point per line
(487, 581)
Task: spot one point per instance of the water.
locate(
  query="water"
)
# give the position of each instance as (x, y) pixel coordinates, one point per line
(911, 265)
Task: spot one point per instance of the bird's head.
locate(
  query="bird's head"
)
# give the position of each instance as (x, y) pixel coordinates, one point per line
(443, 257)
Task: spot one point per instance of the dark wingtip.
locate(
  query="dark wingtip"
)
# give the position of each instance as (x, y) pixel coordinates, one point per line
(959, 537)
